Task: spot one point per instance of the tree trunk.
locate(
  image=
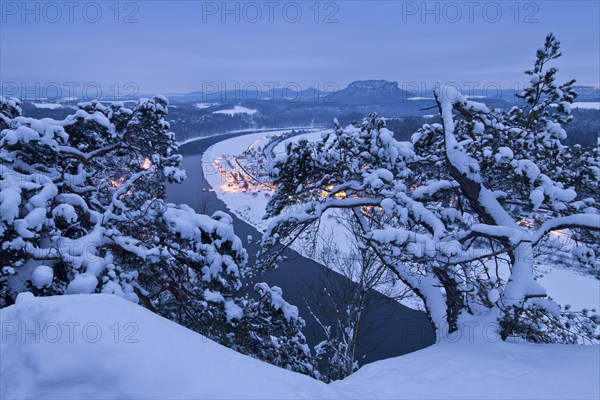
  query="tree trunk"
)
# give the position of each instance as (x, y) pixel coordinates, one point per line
(454, 299)
(520, 286)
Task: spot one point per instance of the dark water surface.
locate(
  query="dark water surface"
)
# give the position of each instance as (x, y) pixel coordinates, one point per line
(389, 328)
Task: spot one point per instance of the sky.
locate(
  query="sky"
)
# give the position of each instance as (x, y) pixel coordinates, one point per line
(183, 46)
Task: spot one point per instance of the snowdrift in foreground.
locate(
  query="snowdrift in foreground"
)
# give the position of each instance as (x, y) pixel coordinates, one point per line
(101, 346)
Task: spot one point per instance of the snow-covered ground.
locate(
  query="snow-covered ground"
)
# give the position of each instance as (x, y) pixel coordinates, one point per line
(566, 287)
(102, 346)
(202, 106)
(49, 106)
(236, 110)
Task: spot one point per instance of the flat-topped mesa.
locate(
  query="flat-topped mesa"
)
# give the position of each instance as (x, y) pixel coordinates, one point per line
(374, 86)
(372, 92)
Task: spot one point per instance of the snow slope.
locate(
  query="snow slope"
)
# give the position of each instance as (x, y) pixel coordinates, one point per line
(153, 358)
(484, 371)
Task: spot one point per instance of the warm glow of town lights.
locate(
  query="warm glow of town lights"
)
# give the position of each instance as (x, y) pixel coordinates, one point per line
(116, 183)
(146, 164)
(238, 181)
(327, 192)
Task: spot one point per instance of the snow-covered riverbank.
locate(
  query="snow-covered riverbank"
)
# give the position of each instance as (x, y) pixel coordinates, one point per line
(247, 130)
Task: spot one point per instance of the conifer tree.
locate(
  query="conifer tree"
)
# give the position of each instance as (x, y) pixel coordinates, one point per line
(452, 213)
(83, 210)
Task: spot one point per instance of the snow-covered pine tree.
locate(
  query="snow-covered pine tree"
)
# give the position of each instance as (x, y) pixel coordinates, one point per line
(68, 190)
(82, 210)
(539, 179)
(444, 214)
(364, 170)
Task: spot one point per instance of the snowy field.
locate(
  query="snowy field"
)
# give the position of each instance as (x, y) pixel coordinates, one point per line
(236, 110)
(102, 346)
(566, 287)
(202, 106)
(49, 106)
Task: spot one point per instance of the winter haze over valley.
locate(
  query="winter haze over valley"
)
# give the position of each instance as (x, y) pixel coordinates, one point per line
(328, 199)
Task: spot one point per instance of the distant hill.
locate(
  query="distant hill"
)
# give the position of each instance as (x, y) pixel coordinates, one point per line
(358, 92)
(202, 114)
(371, 92)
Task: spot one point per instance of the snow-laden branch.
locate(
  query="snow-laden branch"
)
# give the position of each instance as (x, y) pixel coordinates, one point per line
(576, 221)
(513, 235)
(85, 158)
(313, 211)
(125, 187)
(464, 168)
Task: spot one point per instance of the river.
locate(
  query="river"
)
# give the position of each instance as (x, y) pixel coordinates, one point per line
(389, 328)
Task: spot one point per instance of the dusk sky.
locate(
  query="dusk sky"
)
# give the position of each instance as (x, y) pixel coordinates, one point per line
(178, 46)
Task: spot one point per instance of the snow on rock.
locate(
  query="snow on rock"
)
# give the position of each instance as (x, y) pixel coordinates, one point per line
(114, 349)
(42, 276)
